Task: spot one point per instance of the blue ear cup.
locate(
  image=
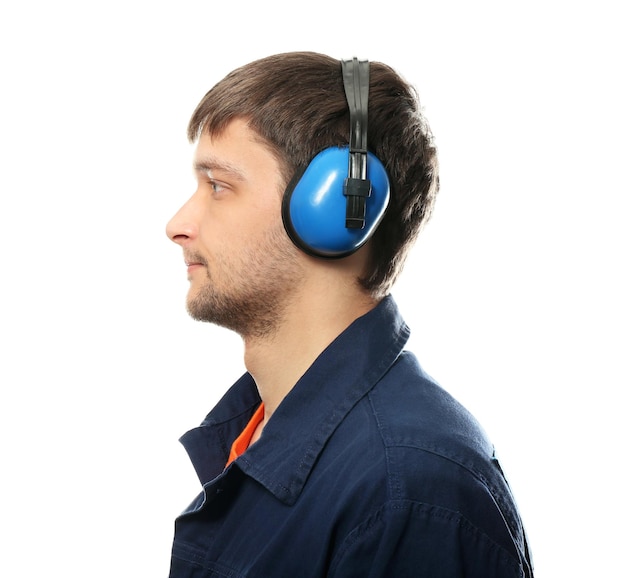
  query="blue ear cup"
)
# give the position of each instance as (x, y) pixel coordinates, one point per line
(314, 205)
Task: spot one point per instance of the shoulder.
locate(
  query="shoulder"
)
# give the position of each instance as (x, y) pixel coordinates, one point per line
(434, 459)
(412, 410)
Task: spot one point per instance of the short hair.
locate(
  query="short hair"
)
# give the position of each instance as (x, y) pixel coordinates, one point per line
(296, 103)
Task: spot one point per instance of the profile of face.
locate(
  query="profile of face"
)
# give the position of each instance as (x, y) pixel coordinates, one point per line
(241, 266)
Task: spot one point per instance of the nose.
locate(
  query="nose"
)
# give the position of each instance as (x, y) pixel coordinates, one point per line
(183, 226)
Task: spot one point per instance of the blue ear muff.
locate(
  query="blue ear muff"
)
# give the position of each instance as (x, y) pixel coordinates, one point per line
(333, 206)
(314, 205)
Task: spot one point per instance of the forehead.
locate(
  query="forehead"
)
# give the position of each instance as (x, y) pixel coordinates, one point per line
(237, 149)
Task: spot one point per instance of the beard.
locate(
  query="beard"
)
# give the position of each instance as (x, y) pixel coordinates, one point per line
(249, 293)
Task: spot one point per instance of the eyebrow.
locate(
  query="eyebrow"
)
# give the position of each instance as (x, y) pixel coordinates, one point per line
(210, 164)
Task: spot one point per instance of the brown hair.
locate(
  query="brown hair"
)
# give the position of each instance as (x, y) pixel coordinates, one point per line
(297, 105)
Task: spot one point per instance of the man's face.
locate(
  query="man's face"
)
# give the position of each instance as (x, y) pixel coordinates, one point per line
(241, 266)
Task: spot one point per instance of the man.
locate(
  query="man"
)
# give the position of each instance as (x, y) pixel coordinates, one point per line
(335, 454)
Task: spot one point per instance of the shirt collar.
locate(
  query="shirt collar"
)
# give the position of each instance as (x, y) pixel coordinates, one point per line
(300, 427)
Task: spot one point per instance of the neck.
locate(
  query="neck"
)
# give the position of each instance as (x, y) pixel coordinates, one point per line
(310, 323)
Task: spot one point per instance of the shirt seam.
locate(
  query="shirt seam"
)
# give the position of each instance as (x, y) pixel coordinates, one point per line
(498, 497)
(370, 525)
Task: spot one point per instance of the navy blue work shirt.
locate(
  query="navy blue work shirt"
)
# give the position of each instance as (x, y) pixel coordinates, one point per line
(367, 468)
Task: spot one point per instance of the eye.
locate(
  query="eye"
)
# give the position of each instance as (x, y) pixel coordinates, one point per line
(218, 188)
(215, 186)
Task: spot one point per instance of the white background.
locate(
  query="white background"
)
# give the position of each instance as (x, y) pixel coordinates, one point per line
(515, 292)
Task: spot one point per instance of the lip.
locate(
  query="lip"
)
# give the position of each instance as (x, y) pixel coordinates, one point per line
(191, 267)
(193, 261)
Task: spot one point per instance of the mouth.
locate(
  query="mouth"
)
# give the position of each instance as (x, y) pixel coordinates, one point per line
(193, 262)
(193, 265)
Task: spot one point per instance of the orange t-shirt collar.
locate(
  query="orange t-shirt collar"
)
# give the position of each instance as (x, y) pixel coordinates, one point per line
(240, 445)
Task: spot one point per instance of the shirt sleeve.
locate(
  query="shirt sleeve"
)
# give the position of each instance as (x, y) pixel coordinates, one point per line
(419, 540)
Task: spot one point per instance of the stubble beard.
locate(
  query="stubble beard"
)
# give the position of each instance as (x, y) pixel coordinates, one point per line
(254, 290)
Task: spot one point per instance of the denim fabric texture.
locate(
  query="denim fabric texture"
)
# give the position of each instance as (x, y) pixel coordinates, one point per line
(368, 468)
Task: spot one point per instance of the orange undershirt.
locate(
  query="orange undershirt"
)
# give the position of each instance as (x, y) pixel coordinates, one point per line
(240, 445)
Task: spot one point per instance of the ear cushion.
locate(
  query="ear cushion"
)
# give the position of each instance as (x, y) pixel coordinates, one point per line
(314, 206)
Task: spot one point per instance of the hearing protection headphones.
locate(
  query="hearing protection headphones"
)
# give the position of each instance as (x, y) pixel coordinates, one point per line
(333, 205)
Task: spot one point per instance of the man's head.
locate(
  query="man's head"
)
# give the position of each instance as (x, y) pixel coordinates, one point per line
(296, 104)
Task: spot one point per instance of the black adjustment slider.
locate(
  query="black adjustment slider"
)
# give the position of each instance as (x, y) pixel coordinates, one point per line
(356, 191)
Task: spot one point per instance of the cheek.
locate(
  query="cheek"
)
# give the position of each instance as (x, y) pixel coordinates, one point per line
(265, 219)
(234, 229)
